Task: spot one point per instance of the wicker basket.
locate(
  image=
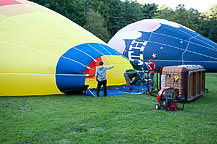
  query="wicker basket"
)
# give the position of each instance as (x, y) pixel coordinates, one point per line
(191, 80)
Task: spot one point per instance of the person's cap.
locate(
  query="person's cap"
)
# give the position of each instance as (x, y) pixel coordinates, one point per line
(101, 63)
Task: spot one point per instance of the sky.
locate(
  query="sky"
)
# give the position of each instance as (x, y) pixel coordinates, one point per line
(200, 5)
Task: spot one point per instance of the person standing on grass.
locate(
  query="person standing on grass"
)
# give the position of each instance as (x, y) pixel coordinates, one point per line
(151, 70)
(101, 78)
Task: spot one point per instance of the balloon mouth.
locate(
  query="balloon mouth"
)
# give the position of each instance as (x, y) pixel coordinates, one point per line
(75, 90)
(78, 64)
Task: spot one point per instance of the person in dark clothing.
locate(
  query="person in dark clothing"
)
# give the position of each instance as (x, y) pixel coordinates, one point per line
(101, 78)
(129, 75)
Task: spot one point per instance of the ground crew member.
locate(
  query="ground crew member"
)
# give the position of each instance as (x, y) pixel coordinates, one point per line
(101, 78)
(129, 75)
(151, 70)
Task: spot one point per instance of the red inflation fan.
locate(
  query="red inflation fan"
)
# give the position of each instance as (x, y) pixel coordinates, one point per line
(168, 98)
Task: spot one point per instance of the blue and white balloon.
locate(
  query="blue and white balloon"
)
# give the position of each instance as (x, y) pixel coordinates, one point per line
(167, 43)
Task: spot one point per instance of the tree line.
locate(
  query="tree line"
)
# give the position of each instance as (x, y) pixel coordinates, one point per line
(104, 18)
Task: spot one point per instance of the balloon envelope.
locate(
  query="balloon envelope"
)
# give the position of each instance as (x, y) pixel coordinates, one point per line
(167, 43)
(44, 53)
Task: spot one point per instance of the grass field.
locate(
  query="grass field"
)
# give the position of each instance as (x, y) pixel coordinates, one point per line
(66, 119)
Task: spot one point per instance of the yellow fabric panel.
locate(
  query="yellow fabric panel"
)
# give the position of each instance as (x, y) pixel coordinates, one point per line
(16, 59)
(17, 32)
(115, 76)
(59, 27)
(12, 59)
(23, 54)
(16, 65)
(23, 85)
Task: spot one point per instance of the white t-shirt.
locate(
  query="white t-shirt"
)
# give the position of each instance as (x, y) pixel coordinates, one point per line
(101, 72)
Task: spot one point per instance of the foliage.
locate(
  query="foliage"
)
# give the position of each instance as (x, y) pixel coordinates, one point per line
(180, 15)
(212, 22)
(165, 13)
(203, 23)
(149, 10)
(124, 13)
(72, 9)
(116, 21)
(95, 24)
(116, 14)
(116, 119)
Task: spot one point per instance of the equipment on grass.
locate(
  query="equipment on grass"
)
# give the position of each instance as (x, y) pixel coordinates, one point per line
(191, 83)
(168, 98)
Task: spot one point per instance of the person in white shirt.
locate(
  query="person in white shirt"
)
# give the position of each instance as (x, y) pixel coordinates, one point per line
(101, 78)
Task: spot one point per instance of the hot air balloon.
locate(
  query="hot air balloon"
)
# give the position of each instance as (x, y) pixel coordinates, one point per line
(44, 53)
(167, 43)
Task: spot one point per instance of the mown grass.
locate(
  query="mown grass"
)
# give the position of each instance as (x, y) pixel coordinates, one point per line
(111, 120)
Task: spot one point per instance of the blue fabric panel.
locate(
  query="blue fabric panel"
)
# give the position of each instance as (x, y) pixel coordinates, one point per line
(145, 36)
(167, 40)
(173, 31)
(105, 49)
(189, 56)
(66, 66)
(187, 31)
(128, 42)
(165, 52)
(120, 90)
(201, 41)
(203, 51)
(94, 49)
(167, 63)
(68, 82)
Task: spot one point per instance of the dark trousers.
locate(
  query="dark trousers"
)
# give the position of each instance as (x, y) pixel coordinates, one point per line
(100, 83)
(152, 80)
(128, 83)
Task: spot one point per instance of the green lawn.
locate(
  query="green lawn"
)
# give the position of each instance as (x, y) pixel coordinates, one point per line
(120, 119)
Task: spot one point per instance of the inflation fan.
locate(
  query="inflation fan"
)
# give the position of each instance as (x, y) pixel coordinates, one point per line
(168, 98)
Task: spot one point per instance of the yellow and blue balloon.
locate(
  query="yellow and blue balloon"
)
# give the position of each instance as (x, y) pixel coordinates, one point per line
(44, 53)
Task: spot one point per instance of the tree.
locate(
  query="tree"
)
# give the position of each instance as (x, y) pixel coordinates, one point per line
(165, 13)
(72, 9)
(123, 13)
(95, 24)
(116, 19)
(132, 12)
(188, 18)
(212, 14)
(149, 10)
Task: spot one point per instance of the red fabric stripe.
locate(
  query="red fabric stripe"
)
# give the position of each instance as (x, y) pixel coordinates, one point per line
(8, 2)
(92, 65)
